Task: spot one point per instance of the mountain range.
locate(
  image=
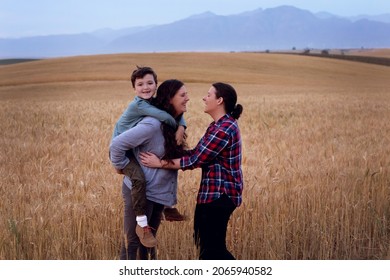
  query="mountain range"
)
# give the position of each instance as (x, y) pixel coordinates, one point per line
(280, 28)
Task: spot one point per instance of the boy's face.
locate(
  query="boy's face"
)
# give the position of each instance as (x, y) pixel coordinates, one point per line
(145, 87)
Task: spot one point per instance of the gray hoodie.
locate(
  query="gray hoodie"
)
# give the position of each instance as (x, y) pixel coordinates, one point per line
(146, 136)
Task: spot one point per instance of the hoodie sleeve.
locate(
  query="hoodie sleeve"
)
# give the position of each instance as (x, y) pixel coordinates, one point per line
(128, 140)
(146, 109)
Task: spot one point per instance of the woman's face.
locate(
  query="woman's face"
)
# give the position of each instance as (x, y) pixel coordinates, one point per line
(179, 101)
(210, 101)
(145, 87)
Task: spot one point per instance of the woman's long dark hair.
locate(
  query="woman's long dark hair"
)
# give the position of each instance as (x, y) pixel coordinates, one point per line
(165, 92)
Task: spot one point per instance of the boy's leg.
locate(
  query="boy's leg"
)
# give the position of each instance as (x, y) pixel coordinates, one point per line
(171, 214)
(138, 191)
(138, 196)
(154, 211)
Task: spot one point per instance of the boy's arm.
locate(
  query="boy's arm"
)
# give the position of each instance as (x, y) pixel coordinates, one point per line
(146, 109)
(180, 131)
(182, 122)
(179, 135)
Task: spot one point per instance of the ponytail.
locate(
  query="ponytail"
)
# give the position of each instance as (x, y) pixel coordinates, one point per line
(236, 113)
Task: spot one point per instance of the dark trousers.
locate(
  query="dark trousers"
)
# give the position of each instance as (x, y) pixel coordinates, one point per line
(210, 226)
(131, 246)
(138, 191)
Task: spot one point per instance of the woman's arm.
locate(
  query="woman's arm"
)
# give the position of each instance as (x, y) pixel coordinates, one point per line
(208, 148)
(151, 160)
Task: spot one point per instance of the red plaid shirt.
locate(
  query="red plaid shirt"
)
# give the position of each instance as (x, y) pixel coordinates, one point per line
(218, 153)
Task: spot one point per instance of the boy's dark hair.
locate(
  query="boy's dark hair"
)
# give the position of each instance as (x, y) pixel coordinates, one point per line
(141, 72)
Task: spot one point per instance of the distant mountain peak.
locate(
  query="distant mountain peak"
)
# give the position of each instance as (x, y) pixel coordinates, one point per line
(325, 15)
(278, 28)
(207, 14)
(249, 13)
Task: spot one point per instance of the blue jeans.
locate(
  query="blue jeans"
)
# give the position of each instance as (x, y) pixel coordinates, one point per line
(210, 226)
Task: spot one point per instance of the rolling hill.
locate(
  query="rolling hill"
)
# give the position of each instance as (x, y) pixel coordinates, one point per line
(100, 76)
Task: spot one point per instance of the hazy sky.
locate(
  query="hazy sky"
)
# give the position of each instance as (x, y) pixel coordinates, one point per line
(42, 17)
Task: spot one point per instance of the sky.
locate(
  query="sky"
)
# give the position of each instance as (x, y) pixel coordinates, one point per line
(23, 18)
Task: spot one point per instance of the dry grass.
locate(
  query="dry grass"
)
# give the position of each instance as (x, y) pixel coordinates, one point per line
(372, 52)
(316, 159)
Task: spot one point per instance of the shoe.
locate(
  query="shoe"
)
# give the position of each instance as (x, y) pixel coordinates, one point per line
(146, 236)
(173, 215)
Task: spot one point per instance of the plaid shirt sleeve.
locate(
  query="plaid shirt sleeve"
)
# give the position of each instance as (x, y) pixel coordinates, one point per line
(207, 149)
(218, 153)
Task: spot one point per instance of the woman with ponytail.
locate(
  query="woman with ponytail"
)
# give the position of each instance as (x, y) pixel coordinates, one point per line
(219, 155)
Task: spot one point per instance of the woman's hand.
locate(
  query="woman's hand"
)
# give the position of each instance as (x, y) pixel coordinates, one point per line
(150, 160)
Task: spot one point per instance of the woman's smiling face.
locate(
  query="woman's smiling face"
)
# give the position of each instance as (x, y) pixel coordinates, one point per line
(210, 101)
(179, 101)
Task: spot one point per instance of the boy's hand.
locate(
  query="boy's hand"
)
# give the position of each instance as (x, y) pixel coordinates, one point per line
(180, 135)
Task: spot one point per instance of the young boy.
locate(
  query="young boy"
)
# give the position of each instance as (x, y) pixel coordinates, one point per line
(144, 82)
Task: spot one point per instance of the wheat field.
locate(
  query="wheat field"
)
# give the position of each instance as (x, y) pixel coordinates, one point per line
(316, 156)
